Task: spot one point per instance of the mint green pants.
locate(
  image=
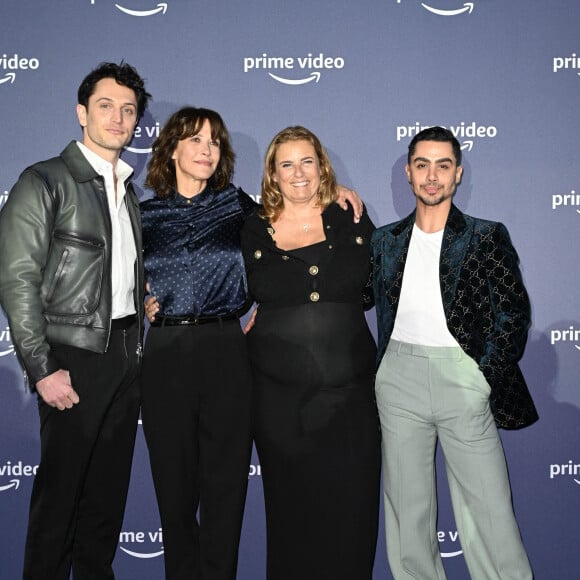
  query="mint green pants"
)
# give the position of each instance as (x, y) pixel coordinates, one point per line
(426, 394)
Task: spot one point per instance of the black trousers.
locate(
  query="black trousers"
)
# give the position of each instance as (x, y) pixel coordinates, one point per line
(80, 489)
(196, 419)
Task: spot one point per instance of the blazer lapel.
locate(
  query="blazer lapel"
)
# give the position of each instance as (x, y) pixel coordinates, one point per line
(456, 238)
(395, 256)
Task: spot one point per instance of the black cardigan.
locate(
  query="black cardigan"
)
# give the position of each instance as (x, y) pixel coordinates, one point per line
(279, 278)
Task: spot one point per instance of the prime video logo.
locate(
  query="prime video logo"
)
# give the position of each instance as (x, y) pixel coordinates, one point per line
(452, 537)
(563, 200)
(15, 63)
(561, 63)
(150, 132)
(569, 469)
(15, 471)
(570, 334)
(6, 346)
(464, 132)
(307, 68)
(255, 470)
(160, 8)
(466, 8)
(140, 539)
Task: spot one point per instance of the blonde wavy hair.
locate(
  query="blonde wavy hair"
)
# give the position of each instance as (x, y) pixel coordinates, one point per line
(272, 200)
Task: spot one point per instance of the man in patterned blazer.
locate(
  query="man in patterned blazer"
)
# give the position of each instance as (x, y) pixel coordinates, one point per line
(453, 317)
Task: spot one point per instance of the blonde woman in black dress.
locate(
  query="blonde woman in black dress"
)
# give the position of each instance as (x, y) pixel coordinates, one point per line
(313, 361)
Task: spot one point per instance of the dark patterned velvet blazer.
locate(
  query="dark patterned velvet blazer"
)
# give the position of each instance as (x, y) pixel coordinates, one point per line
(484, 299)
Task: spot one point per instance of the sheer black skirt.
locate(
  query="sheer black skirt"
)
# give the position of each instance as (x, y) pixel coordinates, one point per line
(317, 435)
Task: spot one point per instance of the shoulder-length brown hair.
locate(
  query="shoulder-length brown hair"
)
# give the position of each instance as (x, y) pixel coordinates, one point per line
(183, 124)
(272, 200)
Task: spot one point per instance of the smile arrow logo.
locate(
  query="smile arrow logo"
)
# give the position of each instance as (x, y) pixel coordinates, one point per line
(451, 554)
(141, 555)
(137, 150)
(161, 7)
(13, 483)
(467, 6)
(314, 76)
(9, 77)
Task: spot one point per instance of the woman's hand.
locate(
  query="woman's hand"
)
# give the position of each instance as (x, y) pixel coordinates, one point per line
(349, 195)
(151, 308)
(251, 321)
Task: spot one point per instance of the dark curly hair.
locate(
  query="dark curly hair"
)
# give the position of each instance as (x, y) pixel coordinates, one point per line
(124, 74)
(183, 124)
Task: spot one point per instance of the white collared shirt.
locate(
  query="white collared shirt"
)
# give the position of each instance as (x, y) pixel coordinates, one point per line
(123, 249)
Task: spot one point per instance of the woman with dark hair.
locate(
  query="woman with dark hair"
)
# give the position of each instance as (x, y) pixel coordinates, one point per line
(316, 424)
(196, 374)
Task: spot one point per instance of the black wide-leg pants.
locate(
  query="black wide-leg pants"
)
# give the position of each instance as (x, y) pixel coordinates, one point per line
(196, 419)
(80, 490)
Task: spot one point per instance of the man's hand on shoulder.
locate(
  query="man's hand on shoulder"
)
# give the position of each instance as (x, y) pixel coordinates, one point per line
(56, 390)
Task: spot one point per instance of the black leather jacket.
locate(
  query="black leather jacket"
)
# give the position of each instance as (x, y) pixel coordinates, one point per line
(55, 260)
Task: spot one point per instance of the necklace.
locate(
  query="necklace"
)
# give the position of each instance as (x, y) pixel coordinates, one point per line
(306, 227)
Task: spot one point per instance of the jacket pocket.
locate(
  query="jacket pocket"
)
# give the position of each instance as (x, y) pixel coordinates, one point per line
(73, 277)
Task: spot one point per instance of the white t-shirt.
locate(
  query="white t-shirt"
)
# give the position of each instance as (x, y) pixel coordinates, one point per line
(420, 317)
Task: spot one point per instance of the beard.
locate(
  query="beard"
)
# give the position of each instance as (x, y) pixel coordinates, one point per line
(433, 201)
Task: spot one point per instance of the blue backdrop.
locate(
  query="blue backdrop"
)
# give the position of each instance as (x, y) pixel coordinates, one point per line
(365, 76)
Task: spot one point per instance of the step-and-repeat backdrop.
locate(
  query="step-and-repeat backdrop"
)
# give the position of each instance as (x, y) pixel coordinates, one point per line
(365, 76)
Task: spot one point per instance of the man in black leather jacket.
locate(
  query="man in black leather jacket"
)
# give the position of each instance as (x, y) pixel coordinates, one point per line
(72, 289)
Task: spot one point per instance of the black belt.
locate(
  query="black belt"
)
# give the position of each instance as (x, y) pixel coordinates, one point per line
(123, 323)
(191, 320)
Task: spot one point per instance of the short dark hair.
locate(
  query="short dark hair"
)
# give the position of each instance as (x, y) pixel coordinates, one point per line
(124, 74)
(436, 134)
(185, 123)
